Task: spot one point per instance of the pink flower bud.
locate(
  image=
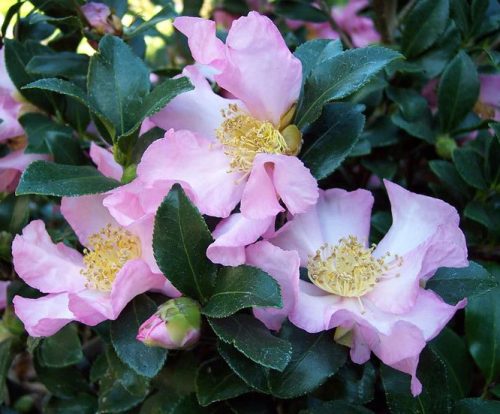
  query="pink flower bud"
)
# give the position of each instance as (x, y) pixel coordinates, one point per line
(100, 18)
(176, 325)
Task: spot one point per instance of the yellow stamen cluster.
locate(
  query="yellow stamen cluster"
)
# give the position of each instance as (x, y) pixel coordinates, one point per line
(243, 137)
(109, 250)
(347, 269)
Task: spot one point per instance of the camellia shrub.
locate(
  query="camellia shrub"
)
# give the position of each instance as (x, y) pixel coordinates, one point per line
(250, 207)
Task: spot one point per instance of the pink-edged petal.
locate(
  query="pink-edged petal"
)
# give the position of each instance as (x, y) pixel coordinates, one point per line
(337, 214)
(283, 266)
(191, 159)
(199, 110)
(260, 69)
(92, 307)
(205, 47)
(232, 235)
(86, 215)
(3, 293)
(105, 162)
(43, 316)
(48, 267)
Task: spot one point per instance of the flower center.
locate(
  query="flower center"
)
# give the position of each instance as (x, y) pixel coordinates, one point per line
(347, 269)
(243, 137)
(109, 250)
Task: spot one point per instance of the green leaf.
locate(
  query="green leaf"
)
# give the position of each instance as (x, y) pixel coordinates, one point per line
(454, 284)
(483, 330)
(80, 404)
(435, 396)
(66, 64)
(6, 356)
(476, 406)
(252, 338)
(315, 51)
(450, 179)
(242, 287)
(453, 352)
(46, 178)
(300, 10)
(338, 77)
(121, 388)
(73, 384)
(337, 131)
(118, 81)
(458, 91)
(61, 349)
(167, 12)
(469, 165)
(14, 213)
(315, 358)
(337, 407)
(38, 128)
(144, 360)
(180, 240)
(423, 25)
(486, 214)
(216, 382)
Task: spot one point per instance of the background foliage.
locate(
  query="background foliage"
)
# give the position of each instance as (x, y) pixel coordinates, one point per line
(364, 118)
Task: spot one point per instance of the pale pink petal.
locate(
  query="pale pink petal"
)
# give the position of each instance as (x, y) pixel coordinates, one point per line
(86, 215)
(205, 47)
(199, 110)
(143, 229)
(489, 93)
(105, 162)
(43, 316)
(9, 112)
(337, 214)
(48, 267)
(259, 68)
(9, 180)
(147, 124)
(283, 266)
(12, 165)
(361, 29)
(92, 307)
(232, 235)
(190, 159)
(3, 293)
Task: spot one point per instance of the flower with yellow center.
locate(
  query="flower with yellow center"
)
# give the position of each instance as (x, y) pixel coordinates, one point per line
(244, 136)
(348, 269)
(109, 250)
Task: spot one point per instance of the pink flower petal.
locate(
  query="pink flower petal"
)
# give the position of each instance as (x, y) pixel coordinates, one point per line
(43, 316)
(259, 68)
(490, 85)
(232, 235)
(205, 47)
(105, 162)
(3, 294)
(86, 215)
(337, 214)
(199, 110)
(282, 266)
(48, 267)
(13, 164)
(9, 112)
(193, 160)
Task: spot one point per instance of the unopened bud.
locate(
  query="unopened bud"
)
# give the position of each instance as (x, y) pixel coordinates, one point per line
(176, 325)
(100, 19)
(445, 146)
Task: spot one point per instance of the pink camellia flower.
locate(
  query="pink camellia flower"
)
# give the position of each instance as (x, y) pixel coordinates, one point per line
(117, 264)
(3, 293)
(100, 17)
(176, 325)
(360, 29)
(372, 295)
(226, 151)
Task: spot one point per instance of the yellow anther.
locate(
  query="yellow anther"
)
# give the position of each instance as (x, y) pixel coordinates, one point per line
(243, 137)
(109, 250)
(348, 269)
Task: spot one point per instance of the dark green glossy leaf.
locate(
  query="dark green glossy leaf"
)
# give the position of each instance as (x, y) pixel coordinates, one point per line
(476, 406)
(336, 133)
(47, 178)
(454, 284)
(486, 214)
(144, 360)
(469, 165)
(483, 330)
(435, 396)
(242, 287)
(252, 338)
(39, 128)
(66, 64)
(167, 12)
(337, 407)
(450, 178)
(423, 25)
(180, 240)
(80, 404)
(74, 383)
(315, 358)
(14, 213)
(61, 349)
(300, 10)
(458, 91)
(216, 382)
(338, 77)
(315, 51)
